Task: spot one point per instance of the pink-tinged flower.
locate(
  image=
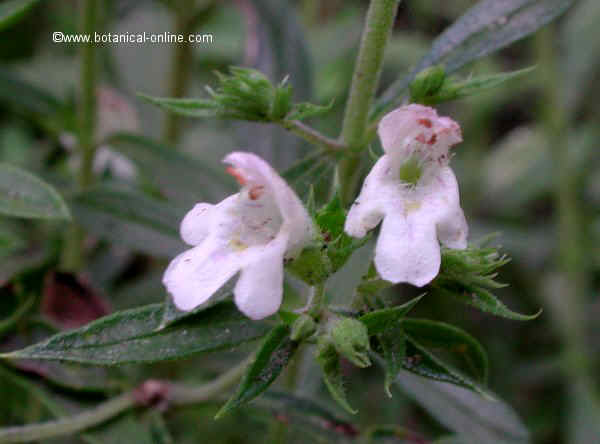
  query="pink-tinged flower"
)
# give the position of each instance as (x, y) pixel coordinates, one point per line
(251, 232)
(414, 191)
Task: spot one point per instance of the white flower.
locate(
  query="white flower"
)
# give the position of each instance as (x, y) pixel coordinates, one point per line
(414, 191)
(252, 231)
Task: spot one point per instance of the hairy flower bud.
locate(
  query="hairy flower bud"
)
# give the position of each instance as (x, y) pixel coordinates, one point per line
(351, 340)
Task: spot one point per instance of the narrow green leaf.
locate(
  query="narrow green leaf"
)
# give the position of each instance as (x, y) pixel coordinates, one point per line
(11, 11)
(393, 350)
(305, 110)
(273, 356)
(132, 336)
(485, 301)
(24, 195)
(441, 336)
(454, 90)
(328, 359)
(130, 218)
(419, 360)
(378, 321)
(487, 27)
(185, 107)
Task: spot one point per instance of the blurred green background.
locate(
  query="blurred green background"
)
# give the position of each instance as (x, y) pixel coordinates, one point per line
(528, 170)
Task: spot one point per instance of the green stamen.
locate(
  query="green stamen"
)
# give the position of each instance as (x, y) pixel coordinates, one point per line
(411, 171)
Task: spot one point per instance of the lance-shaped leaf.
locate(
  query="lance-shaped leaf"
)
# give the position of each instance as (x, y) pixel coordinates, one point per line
(130, 218)
(11, 11)
(328, 359)
(393, 349)
(133, 336)
(459, 89)
(24, 195)
(441, 336)
(379, 321)
(273, 356)
(486, 27)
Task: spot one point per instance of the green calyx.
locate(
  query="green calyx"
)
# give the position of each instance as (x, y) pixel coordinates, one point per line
(351, 340)
(411, 171)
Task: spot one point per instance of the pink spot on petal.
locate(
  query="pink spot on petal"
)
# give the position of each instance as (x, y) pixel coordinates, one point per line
(424, 122)
(237, 174)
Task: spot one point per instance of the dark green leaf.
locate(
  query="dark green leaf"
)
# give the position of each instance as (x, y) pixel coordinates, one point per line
(130, 218)
(24, 195)
(172, 314)
(477, 419)
(441, 336)
(418, 359)
(133, 336)
(486, 27)
(379, 321)
(11, 11)
(273, 356)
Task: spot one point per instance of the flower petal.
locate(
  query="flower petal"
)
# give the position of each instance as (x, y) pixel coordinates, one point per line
(379, 188)
(296, 219)
(453, 230)
(441, 201)
(259, 290)
(407, 249)
(196, 224)
(194, 275)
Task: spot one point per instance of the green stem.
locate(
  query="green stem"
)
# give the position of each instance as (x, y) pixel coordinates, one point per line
(378, 25)
(70, 425)
(178, 395)
(185, 21)
(179, 77)
(72, 258)
(312, 136)
(317, 300)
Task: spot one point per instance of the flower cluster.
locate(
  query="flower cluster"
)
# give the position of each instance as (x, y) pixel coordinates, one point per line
(411, 189)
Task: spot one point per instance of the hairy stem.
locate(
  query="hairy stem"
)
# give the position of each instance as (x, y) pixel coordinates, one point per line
(378, 25)
(177, 395)
(312, 136)
(72, 258)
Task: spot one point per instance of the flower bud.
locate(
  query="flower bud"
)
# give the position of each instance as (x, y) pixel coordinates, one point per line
(427, 83)
(303, 328)
(351, 340)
